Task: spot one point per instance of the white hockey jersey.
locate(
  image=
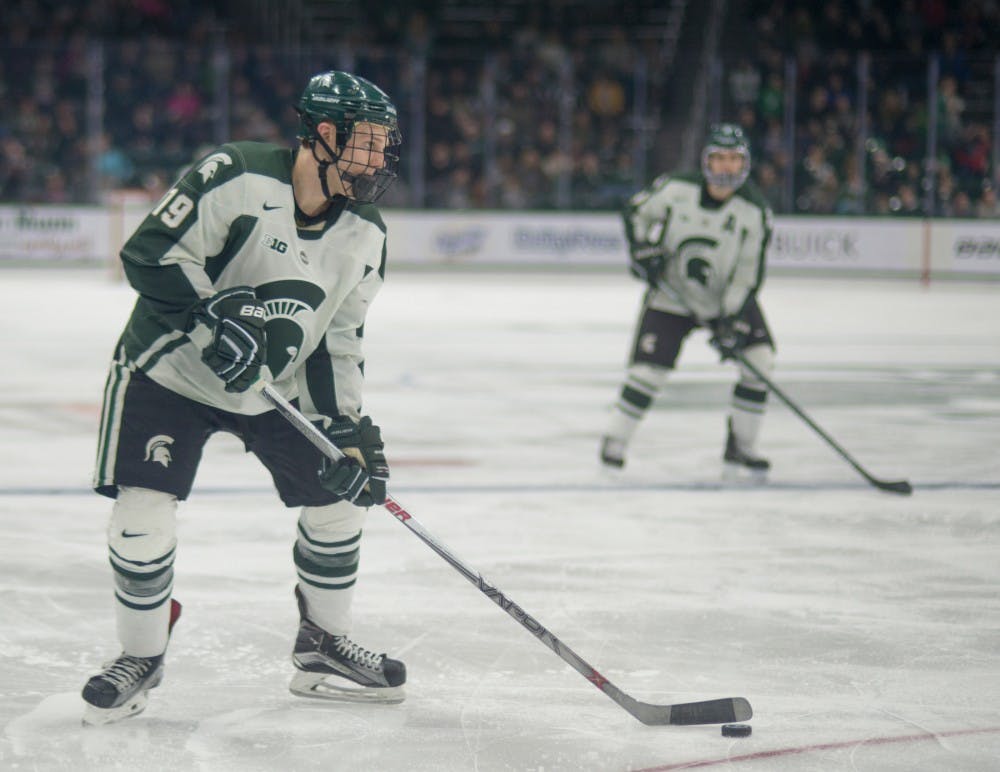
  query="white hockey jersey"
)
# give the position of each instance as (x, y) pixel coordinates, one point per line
(231, 221)
(717, 250)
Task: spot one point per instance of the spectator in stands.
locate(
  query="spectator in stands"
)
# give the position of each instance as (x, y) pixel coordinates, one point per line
(15, 171)
(542, 65)
(744, 84)
(988, 206)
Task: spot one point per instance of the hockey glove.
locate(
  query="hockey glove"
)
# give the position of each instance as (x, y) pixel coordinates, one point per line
(729, 335)
(239, 343)
(647, 262)
(361, 476)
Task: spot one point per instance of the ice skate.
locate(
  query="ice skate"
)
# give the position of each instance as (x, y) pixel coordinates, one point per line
(738, 464)
(120, 690)
(612, 453)
(333, 667)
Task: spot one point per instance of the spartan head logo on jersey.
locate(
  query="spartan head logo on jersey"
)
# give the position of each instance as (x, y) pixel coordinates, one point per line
(699, 269)
(211, 165)
(158, 450)
(284, 334)
(694, 255)
(287, 302)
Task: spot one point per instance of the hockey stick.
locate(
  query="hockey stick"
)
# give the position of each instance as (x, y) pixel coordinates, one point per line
(892, 486)
(718, 711)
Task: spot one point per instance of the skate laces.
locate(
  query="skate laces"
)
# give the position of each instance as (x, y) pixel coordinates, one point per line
(358, 654)
(126, 670)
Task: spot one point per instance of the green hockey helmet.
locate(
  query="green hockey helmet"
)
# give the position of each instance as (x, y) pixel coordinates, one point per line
(722, 137)
(344, 100)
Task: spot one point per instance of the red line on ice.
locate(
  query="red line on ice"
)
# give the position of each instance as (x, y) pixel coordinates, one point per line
(819, 747)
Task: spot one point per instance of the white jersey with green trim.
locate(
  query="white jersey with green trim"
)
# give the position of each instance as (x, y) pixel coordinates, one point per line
(231, 221)
(717, 249)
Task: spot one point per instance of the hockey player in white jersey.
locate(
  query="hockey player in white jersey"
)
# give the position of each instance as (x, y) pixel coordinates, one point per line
(261, 262)
(699, 241)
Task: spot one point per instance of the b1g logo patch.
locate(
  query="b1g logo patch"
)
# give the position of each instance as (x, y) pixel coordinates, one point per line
(273, 242)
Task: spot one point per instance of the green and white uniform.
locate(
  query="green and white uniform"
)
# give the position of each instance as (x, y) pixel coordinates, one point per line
(714, 254)
(231, 221)
(717, 249)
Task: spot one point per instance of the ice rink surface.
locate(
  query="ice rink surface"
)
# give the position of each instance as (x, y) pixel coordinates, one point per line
(863, 627)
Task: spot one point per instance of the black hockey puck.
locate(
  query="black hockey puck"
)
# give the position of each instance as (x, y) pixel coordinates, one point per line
(736, 730)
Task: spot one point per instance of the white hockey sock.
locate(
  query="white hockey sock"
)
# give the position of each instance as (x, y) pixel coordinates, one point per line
(749, 400)
(746, 414)
(143, 632)
(142, 545)
(621, 426)
(642, 384)
(327, 553)
(330, 609)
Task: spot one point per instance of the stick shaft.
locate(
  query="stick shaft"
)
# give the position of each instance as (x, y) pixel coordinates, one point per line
(711, 711)
(397, 510)
(899, 487)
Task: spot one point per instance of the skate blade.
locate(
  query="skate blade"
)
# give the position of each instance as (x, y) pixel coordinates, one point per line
(316, 686)
(94, 716)
(737, 474)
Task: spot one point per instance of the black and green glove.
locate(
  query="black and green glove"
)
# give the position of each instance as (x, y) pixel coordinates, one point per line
(648, 262)
(362, 474)
(730, 335)
(239, 343)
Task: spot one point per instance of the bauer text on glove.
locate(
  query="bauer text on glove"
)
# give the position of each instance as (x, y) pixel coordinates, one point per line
(239, 344)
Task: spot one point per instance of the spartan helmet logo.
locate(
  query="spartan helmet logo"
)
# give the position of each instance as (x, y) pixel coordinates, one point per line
(284, 334)
(699, 269)
(211, 165)
(158, 450)
(289, 304)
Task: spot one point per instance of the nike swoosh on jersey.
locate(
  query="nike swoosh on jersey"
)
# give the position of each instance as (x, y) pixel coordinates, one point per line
(268, 208)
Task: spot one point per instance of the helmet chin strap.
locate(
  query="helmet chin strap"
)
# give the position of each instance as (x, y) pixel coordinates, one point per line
(360, 185)
(324, 165)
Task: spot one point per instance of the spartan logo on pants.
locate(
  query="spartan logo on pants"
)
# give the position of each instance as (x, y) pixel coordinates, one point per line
(287, 302)
(158, 450)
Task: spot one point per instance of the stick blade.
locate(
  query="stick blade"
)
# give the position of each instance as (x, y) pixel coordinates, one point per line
(721, 711)
(902, 487)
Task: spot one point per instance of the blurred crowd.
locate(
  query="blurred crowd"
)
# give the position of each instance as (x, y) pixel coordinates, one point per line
(532, 106)
(172, 81)
(838, 166)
